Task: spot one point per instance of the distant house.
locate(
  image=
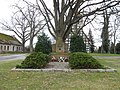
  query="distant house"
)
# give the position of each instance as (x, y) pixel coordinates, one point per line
(9, 44)
(76, 29)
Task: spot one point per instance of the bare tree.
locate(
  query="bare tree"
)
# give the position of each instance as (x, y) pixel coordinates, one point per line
(111, 26)
(115, 30)
(26, 23)
(34, 19)
(67, 12)
(19, 26)
(105, 33)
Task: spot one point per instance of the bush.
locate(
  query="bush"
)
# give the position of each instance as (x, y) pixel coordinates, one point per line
(80, 60)
(35, 60)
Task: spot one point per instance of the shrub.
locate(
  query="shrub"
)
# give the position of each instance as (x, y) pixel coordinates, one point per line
(80, 60)
(35, 60)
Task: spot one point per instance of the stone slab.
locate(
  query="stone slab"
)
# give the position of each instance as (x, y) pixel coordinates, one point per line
(64, 70)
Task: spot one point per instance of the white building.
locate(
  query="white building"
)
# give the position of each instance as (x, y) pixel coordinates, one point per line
(76, 29)
(9, 44)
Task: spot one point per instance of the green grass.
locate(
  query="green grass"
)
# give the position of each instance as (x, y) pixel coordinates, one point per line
(10, 80)
(103, 54)
(4, 54)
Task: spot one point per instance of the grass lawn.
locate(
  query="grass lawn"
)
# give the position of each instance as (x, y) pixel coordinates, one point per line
(59, 80)
(103, 54)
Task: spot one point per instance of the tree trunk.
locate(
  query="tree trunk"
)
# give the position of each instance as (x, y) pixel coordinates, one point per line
(60, 45)
(114, 42)
(102, 50)
(31, 44)
(23, 45)
(114, 46)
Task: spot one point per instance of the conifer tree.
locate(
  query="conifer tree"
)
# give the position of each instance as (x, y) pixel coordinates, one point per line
(112, 48)
(118, 48)
(43, 44)
(77, 44)
(91, 41)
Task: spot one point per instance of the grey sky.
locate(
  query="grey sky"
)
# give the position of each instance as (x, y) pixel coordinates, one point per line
(5, 8)
(5, 12)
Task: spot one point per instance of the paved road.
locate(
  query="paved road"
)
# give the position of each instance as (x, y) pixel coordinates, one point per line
(12, 57)
(22, 56)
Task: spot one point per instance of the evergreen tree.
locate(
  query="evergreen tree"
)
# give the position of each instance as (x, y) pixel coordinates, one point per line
(112, 48)
(99, 49)
(118, 48)
(77, 44)
(43, 44)
(91, 41)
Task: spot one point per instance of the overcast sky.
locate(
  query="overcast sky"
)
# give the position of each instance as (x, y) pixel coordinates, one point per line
(6, 8)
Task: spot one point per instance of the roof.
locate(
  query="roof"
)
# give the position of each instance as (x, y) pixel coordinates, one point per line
(7, 39)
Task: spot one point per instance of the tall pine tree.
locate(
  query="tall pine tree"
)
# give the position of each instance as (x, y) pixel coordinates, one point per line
(92, 46)
(112, 48)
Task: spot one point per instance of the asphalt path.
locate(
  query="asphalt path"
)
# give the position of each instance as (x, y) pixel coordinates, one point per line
(12, 57)
(23, 56)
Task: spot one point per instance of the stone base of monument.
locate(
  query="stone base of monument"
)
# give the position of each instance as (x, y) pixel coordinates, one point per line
(64, 70)
(62, 67)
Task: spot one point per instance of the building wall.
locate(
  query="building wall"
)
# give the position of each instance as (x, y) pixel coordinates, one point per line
(10, 48)
(76, 30)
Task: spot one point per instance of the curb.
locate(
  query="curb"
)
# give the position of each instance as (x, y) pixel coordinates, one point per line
(64, 70)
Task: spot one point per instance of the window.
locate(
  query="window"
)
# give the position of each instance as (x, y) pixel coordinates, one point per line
(17, 49)
(8, 48)
(4, 47)
(1, 47)
(13, 48)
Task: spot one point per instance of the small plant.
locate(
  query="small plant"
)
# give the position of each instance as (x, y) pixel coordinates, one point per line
(35, 60)
(80, 60)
